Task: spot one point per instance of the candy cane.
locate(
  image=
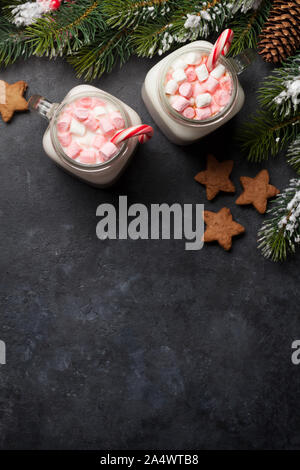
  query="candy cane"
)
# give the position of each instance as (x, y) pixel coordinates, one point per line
(221, 47)
(143, 132)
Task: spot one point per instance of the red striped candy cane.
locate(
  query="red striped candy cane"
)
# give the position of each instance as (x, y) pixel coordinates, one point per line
(221, 47)
(143, 132)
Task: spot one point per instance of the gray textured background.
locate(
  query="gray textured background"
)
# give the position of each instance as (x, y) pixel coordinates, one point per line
(138, 344)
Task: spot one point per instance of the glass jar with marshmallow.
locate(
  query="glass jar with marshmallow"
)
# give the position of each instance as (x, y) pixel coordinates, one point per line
(187, 98)
(80, 134)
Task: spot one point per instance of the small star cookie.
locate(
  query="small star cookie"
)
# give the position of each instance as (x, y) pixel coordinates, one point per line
(11, 99)
(257, 191)
(216, 177)
(221, 227)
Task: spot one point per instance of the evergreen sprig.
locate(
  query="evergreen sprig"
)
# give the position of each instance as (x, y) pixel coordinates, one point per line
(293, 154)
(7, 6)
(129, 13)
(13, 43)
(274, 94)
(280, 233)
(247, 27)
(246, 5)
(263, 135)
(201, 19)
(194, 19)
(95, 34)
(154, 38)
(92, 60)
(277, 124)
(66, 30)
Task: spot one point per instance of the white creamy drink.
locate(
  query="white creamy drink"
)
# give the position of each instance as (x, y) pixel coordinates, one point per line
(186, 100)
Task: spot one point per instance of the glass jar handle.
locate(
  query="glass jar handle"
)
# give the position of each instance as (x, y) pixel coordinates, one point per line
(241, 61)
(42, 106)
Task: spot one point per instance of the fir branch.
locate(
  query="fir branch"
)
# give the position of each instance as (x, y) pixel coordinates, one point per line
(67, 29)
(277, 125)
(280, 92)
(7, 6)
(10, 3)
(153, 38)
(264, 135)
(202, 20)
(130, 13)
(280, 234)
(93, 60)
(246, 5)
(13, 43)
(247, 27)
(293, 154)
(194, 19)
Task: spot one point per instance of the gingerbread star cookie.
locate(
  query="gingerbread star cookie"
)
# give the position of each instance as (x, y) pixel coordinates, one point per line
(257, 191)
(11, 99)
(216, 177)
(221, 227)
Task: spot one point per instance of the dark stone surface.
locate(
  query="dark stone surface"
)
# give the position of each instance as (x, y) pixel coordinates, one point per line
(138, 344)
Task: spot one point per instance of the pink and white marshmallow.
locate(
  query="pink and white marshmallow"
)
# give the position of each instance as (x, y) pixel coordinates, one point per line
(81, 114)
(77, 128)
(211, 84)
(117, 120)
(203, 100)
(180, 104)
(63, 124)
(84, 102)
(91, 123)
(108, 151)
(89, 156)
(218, 71)
(202, 72)
(99, 141)
(186, 89)
(179, 75)
(189, 112)
(191, 74)
(65, 139)
(73, 150)
(195, 92)
(171, 87)
(106, 125)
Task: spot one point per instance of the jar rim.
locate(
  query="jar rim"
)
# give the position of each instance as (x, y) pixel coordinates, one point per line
(54, 135)
(179, 117)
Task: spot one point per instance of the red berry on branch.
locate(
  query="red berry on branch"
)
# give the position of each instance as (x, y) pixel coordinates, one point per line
(55, 4)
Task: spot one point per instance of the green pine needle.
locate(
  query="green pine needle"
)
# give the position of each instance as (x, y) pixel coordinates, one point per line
(278, 123)
(67, 29)
(293, 154)
(13, 43)
(129, 13)
(276, 84)
(247, 27)
(79, 30)
(263, 135)
(280, 233)
(93, 60)
(153, 38)
(161, 35)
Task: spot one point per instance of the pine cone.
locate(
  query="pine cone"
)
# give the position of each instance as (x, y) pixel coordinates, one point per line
(280, 36)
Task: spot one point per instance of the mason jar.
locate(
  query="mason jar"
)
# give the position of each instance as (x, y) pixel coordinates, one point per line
(180, 129)
(99, 174)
